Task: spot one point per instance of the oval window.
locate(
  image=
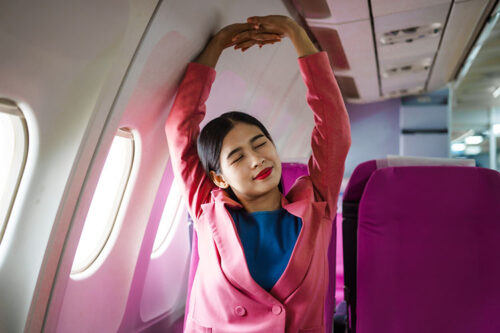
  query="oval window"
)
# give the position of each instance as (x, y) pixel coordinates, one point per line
(106, 201)
(13, 152)
(172, 211)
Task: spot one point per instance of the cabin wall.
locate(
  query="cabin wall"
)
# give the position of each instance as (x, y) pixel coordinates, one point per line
(64, 62)
(424, 131)
(126, 289)
(118, 277)
(375, 132)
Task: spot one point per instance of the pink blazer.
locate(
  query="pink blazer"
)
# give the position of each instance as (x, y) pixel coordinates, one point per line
(224, 297)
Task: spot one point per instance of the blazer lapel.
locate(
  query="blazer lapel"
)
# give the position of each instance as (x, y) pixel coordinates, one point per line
(233, 261)
(298, 265)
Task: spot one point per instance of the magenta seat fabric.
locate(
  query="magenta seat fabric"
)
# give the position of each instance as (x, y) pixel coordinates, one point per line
(357, 182)
(289, 174)
(428, 255)
(350, 202)
(339, 264)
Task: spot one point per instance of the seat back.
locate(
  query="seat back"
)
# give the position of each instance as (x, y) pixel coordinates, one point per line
(428, 248)
(350, 204)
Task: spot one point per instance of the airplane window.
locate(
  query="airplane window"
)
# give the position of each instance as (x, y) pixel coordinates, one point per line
(13, 152)
(106, 201)
(171, 213)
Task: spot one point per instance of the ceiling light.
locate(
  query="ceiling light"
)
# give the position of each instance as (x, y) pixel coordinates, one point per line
(496, 129)
(474, 140)
(473, 150)
(458, 147)
(496, 92)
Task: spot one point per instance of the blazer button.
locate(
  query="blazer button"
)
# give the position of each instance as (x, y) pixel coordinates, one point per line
(277, 309)
(240, 311)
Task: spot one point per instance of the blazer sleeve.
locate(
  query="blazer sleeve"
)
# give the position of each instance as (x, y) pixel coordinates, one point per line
(331, 136)
(182, 129)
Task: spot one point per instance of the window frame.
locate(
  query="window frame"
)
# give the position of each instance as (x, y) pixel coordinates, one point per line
(92, 257)
(178, 207)
(21, 133)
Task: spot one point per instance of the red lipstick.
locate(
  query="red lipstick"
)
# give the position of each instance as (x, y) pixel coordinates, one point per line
(264, 173)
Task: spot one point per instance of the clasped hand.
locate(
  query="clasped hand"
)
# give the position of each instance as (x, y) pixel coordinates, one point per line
(259, 30)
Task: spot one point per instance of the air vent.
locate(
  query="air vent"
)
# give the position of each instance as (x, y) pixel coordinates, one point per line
(347, 86)
(402, 92)
(408, 35)
(417, 67)
(330, 41)
(313, 9)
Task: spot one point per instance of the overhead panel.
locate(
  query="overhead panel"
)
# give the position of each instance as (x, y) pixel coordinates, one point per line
(463, 24)
(387, 7)
(347, 37)
(387, 48)
(342, 11)
(478, 83)
(330, 40)
(313, 8)
(407, 40)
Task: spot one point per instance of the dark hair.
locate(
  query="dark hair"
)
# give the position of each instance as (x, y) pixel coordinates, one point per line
(213, 134)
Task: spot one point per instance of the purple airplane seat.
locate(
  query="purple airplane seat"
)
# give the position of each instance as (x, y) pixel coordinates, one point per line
(290, 173)
(422, 249)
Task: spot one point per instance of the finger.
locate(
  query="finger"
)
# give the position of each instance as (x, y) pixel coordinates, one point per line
(242, 26)
(256, 35)
(256, 19)
(245, 44)
(244, 35)
(249, 46)
(268, 42)
(258, 40)
(236, 28)
(267, 36)
(267, 30)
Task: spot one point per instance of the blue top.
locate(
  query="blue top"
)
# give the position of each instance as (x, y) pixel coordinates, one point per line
(268, 239)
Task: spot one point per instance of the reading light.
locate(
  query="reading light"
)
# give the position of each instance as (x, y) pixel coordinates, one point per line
(496, 92)
(496, 129)
(457, 147)
(474, 140)
(473, 150)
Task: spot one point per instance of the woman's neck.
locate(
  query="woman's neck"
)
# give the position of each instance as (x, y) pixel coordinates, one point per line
(265, 202)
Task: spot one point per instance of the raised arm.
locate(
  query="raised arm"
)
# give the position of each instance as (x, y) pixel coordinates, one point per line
(182, 129)
(188, 111)
(331, 137)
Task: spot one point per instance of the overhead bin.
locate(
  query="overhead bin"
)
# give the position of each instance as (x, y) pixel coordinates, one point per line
(385, 49)
(463, 25)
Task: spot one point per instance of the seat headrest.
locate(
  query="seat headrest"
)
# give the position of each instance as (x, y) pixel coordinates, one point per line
(395, 160)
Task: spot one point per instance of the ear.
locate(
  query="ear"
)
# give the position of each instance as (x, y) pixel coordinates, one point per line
(218, 180)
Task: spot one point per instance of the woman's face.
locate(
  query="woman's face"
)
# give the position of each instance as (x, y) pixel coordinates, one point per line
(250, 164)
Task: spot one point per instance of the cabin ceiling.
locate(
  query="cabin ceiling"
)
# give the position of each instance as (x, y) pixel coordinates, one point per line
(382, 49)
(478, 84)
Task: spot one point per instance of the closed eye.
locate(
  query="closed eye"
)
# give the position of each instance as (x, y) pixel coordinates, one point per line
(261, 144)
(238, 159)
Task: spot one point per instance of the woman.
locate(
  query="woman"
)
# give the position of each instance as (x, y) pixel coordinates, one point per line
(263, 257)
